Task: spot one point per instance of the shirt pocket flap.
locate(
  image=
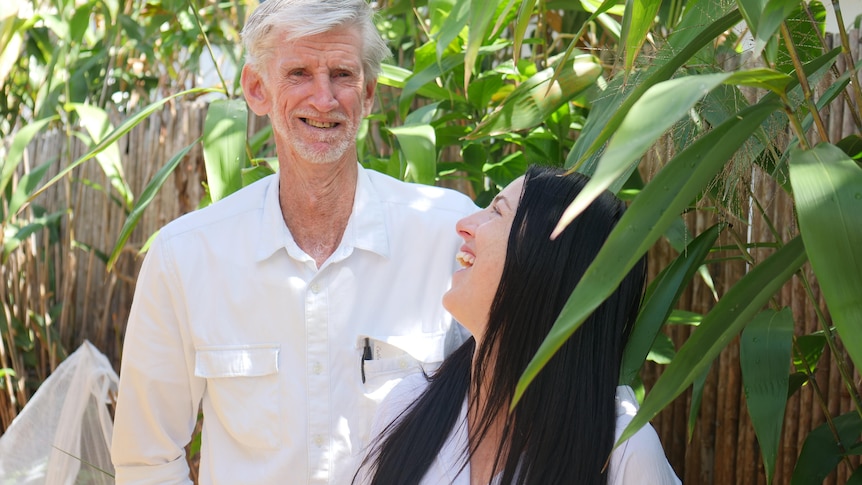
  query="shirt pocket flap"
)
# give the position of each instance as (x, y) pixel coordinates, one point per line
(234, 361)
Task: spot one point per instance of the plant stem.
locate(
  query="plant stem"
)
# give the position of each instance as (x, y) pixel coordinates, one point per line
(845, 49)
(209, 47)
(803, 83)
(821, 400)
(830, 340)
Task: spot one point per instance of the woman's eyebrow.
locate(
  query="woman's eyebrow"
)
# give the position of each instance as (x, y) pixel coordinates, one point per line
(503, 199)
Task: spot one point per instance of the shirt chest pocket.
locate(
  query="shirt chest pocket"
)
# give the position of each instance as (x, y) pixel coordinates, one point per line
(243, 391)
(387, 360)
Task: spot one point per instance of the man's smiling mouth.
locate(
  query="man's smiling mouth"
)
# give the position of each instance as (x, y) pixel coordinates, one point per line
(318, 124)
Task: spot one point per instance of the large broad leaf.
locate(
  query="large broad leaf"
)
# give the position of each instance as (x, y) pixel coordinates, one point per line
(481, 14)
(641, 127)
(97, 124)
(821, 453)
(144, 201)
(659, 303)
(637, 20)
(775, 12)
(224, 140)
(827, 188)
(764, 353)
(720, 326)
(606, 117)
(652, 212)
(456, 13)
(533, 101)
(418, 141)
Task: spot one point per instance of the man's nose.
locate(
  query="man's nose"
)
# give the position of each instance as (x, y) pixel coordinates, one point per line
(323, 95)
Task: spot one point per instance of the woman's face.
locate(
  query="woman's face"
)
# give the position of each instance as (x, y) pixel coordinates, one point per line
(485, 235)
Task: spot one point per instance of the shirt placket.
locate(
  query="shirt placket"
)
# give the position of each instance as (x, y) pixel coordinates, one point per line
(318, 378)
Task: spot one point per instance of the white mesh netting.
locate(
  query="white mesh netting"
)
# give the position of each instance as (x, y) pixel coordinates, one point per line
(63, 434)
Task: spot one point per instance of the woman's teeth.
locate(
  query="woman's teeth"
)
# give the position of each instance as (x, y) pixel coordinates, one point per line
(465, 259)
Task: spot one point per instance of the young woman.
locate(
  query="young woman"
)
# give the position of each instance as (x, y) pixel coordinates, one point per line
(454, 427)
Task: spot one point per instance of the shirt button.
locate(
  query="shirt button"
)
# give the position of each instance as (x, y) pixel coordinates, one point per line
(402, 363)
(318, 440)
(315, 288)
(317, 368)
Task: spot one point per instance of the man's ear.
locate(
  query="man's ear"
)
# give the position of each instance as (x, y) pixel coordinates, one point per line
(254, 90)
(370, 88)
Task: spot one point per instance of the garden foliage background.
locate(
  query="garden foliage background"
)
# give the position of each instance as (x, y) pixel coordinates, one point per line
(732, 126)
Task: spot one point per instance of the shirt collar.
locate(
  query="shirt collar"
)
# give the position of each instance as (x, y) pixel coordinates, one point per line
(366, 229)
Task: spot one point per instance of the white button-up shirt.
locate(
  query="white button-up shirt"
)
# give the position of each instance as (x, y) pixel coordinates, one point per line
(639, 460)
(231, 316)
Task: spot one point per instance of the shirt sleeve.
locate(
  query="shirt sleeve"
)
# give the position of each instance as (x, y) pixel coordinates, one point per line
(642, 461)
(158, 396)
(641, 458)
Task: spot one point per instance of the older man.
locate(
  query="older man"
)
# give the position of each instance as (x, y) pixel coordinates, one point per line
(286, 311)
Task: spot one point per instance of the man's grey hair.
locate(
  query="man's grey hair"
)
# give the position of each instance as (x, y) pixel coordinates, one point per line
(277, 21)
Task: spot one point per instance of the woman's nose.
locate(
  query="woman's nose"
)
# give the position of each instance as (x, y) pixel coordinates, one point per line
(465, 227)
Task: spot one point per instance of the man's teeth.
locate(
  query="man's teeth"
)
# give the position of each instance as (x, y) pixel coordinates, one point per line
(465, 259)
(319, 124)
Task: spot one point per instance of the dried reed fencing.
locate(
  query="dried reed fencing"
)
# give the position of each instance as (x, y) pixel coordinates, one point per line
(722, 449)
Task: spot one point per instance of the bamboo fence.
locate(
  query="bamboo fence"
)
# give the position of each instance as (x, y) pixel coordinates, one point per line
(722, 448)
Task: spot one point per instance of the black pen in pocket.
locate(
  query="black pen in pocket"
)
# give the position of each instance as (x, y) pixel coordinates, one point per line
(366, 355)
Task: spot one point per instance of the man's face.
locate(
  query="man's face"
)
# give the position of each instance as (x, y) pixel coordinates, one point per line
(317, 96)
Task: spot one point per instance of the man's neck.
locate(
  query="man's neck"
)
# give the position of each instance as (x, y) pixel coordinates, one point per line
(316, 202)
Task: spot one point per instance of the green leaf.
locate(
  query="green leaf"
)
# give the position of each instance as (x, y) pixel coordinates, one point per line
(696, 399)
(456, 20)
(775, 12)
(16, 151)
(525, 16)
(121, 130)
(603, 123)
(721, 325)
(665, 292)
(224, 140)
(821, 453)
(650, 214)
(253, 174)
(396, 77)
(481, 14)
(827, 188)
(25, 188)
(763, 356)
(639, 131)
(418, 142)
(144, 201)
(533, 101)
(762, 78)
(852, 146)
(662, 350)
(97, 124)
(637, 20)
(35, 225)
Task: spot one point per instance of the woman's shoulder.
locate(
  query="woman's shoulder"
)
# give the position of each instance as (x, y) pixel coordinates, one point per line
(641, 458)
(401, 396)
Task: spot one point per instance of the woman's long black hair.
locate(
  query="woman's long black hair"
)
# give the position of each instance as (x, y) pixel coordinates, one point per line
(562, 430)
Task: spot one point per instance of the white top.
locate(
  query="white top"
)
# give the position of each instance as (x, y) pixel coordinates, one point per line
(640, 460)
(231, 315)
